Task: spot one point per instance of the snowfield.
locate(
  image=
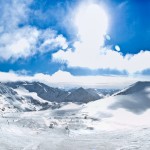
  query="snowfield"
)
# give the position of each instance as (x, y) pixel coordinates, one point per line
(31, 131)
(118, 122)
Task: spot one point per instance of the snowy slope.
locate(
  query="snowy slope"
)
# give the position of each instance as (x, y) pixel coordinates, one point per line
(106, 124)
(29, 131)
(129, 107)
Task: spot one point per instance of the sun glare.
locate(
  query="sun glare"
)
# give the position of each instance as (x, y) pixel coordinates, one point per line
(91, 20)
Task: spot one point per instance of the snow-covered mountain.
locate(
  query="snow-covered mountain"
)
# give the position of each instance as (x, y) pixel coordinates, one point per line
(54, 94)
(135, 98)
(120, 121)
(135, 88)
(38, 96)
(43, 91)
(82, 95)
(18, 100)
(129, 106)
(106, 92)
(29, 96)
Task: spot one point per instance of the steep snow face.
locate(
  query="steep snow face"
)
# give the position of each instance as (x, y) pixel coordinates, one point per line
(129, 106)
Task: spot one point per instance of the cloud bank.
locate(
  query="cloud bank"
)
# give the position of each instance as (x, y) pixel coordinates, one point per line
(64, 79)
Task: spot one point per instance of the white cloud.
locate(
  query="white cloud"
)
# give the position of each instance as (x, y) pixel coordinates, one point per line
(89, 51)
(91, 22)
(12, 13)
(58, 41)
(105, 59)
(66, 80)
(17, 42)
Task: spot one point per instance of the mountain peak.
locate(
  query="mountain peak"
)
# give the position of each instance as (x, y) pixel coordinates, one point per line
(134, 88)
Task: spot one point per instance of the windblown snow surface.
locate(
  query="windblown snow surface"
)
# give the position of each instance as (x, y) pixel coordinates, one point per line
(118, 122)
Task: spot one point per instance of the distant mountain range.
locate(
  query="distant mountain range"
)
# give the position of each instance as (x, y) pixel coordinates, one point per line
(82, 95)
(54, 94)
(29, 96)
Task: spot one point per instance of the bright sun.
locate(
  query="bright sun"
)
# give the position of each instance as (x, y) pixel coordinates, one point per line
(91, 21)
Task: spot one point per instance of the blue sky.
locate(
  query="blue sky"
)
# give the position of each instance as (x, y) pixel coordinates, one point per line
(45, 36)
